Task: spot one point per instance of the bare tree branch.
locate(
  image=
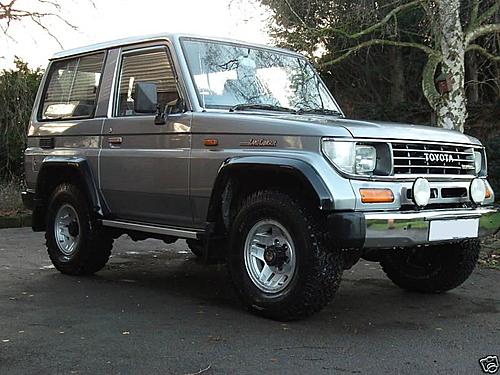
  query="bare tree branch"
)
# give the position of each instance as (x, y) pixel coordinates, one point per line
(488, 13)
(11, 11)
(296, 14)
(483, 51)
(473, 15)
(374, 42)
(393, 13)
(480, 31)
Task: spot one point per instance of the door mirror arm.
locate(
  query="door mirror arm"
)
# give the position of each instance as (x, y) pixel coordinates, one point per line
(178, 107)
(161, 117)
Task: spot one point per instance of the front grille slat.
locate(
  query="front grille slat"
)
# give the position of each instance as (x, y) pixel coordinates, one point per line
(432, 150)
(425, 166)
(432, 159)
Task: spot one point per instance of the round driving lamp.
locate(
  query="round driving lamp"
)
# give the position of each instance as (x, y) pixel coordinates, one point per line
(421, 192)
(477, 191)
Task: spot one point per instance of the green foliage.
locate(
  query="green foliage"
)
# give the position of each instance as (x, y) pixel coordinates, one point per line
(18, 89)
(493, 152)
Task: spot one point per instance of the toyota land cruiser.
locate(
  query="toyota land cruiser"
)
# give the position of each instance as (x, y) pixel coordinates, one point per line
(241, 150)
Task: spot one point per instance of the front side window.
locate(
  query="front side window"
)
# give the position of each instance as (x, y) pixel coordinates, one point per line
(72, 88)
(147, 66)
(226, 75)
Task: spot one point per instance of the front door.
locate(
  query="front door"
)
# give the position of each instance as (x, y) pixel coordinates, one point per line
(144, 168)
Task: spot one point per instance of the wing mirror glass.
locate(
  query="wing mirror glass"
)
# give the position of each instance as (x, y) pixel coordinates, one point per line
(145, 98)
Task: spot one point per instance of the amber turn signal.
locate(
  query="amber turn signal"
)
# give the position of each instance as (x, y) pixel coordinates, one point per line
(376, 195)
(488, 193)
(210, 142)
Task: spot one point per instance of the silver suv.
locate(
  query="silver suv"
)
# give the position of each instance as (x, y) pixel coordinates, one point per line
(241, 150)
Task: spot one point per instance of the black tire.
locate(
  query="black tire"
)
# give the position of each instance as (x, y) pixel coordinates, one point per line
(433, 269)
(196, 247)
(318, 269)
(93, 248)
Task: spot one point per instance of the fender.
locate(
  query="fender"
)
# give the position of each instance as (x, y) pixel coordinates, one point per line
(82, 169)
(300, 168)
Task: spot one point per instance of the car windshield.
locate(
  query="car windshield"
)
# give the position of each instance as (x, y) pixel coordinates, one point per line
(240, 77)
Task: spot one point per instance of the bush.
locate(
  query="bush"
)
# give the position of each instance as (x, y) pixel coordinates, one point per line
(493, 152)
(17, 93)
(10, 198)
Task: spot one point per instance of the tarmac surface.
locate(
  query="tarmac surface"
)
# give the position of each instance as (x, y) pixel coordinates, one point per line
(155, 309)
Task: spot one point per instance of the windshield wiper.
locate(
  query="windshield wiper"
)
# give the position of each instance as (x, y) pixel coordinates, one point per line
(320, 111)
(267, 107)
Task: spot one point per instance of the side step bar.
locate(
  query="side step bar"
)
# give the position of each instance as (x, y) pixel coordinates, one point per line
(148, 228)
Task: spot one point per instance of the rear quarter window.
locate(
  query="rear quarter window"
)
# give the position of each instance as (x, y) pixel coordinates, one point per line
(72, 88)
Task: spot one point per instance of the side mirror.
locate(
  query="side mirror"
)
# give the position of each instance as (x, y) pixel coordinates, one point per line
(176, 106)
(145, 98)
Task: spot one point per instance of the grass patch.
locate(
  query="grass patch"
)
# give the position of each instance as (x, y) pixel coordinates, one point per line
(490, 253)
(10, 199)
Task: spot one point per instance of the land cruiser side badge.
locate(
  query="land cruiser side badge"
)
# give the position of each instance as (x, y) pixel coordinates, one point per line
(260, 143)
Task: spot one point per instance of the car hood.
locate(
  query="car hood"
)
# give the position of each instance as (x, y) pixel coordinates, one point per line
(392, 130)
(386, 130)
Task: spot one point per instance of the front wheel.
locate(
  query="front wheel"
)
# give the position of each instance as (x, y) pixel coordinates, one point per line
(432, 269)
(279, 262)
(76, 243)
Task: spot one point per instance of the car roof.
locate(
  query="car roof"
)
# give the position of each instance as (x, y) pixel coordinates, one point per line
(152, 37)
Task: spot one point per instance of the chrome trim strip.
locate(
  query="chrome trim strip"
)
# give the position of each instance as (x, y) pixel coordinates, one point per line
(430, 215)
(148, 228)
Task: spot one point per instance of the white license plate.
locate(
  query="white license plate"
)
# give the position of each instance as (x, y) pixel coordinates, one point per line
(453, 229)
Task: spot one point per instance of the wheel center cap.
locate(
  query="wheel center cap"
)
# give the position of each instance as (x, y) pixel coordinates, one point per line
(73, 229)
(275, 256)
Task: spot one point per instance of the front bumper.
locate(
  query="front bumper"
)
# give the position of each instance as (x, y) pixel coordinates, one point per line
(383, 230)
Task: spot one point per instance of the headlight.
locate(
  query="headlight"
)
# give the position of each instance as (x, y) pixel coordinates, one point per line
(350, 157)
(366, 159)
(477, 191)
(478, 161)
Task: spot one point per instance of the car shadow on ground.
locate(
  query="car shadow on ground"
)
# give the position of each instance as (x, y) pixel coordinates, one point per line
(366, 300)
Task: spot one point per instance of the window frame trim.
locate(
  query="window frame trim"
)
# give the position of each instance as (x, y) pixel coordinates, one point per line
(163, 47)
(41, 102)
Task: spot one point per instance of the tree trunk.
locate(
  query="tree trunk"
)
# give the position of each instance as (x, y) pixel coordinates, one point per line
(472, 79)
(451, 109)
(397, 76)
(496, 52)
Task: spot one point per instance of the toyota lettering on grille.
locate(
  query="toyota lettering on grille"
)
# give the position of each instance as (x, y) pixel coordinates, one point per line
(436, 157)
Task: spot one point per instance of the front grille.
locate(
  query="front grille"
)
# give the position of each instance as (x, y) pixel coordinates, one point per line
(432, 159)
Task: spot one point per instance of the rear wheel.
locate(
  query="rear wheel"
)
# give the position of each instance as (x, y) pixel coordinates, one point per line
(76, 243)
(432, 269)
(279, 261)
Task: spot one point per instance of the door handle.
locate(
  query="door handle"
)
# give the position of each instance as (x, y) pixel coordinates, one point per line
(115, 142)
